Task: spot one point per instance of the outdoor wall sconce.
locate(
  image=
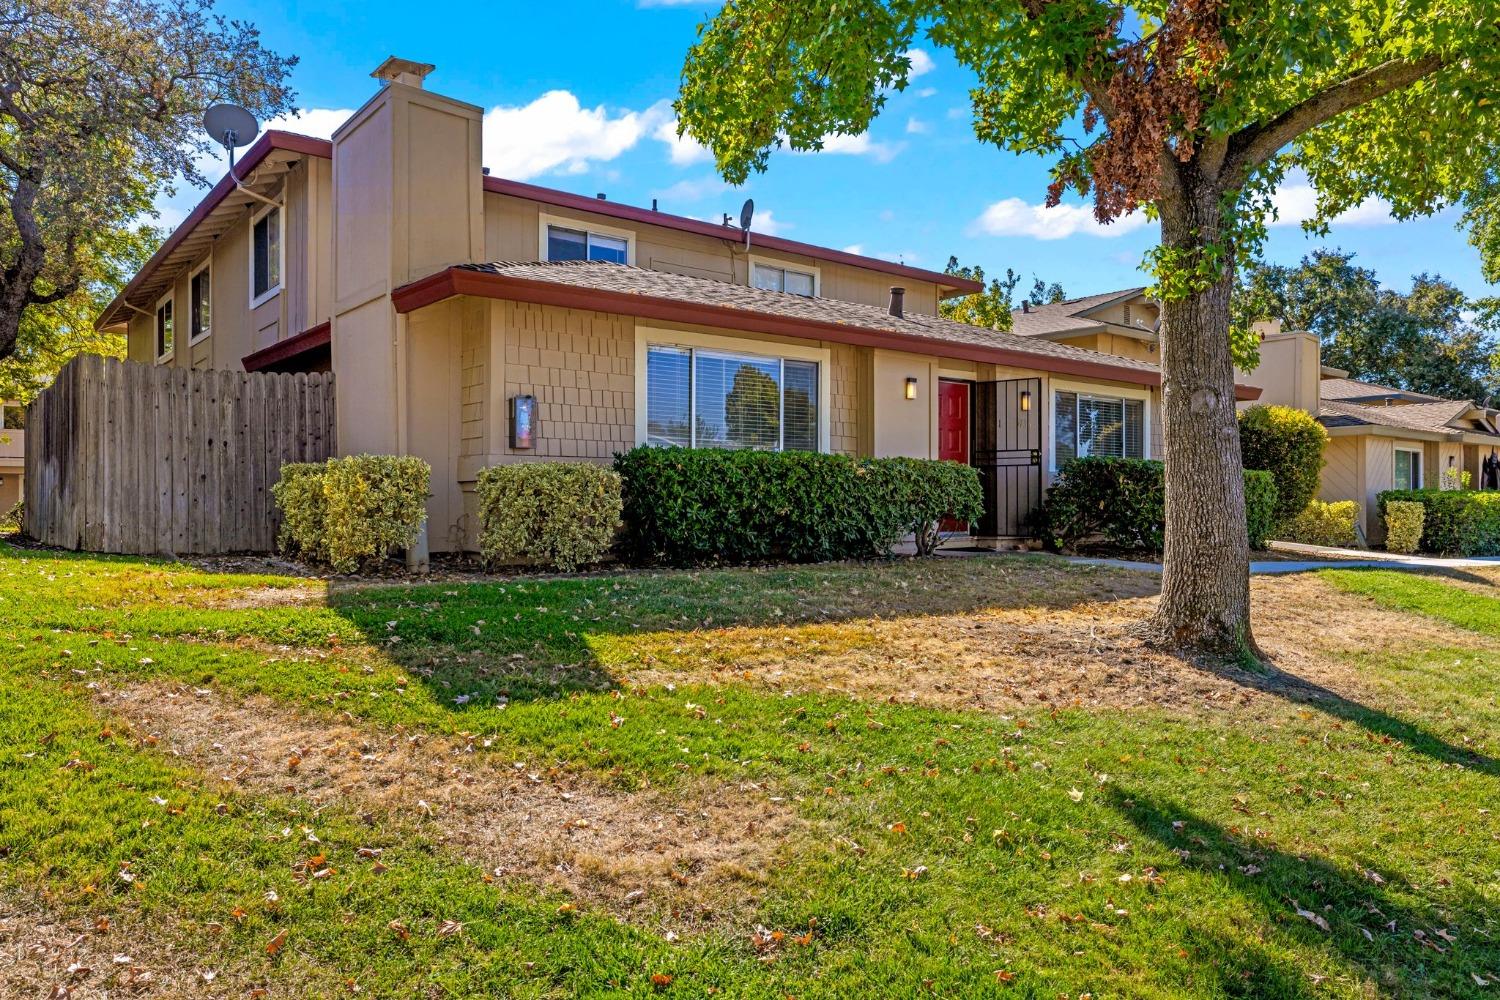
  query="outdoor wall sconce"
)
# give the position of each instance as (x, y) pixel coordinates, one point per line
(911, 388)
(1025, 400)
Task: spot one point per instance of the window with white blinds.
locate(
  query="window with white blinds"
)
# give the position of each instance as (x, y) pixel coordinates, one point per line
(703, 398)
(1085, 425)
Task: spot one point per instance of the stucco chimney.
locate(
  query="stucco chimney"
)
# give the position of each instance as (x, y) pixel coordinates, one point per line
(898, 301)
(395, 70)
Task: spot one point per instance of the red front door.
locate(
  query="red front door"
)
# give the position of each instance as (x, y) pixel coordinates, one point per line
(953, 431)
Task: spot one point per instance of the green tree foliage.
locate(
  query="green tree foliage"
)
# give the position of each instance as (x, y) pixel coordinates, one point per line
(1192, 110)
(100, 105)
(752, 409)
(992, 307)
(1289, 444)
(51, 335)
(1432, 339)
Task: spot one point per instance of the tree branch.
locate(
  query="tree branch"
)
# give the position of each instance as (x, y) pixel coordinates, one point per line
(1254, 145)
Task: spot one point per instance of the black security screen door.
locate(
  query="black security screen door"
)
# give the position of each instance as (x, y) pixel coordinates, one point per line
(1008, 455)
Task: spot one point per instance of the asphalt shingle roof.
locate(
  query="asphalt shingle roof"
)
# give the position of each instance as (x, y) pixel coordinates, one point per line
(1352, 388)
(1434, 418)
(1061, 317)
(621, 278)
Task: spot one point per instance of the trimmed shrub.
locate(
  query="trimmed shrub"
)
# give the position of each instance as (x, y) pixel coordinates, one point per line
(1123, 501)
(349, 512)
(1260, 506)
(1288, 443)
(1323, 523)
(1454, 522)
(558, 514)
(299, 496)
(15, 518)
(690, 506)
(1403, 525)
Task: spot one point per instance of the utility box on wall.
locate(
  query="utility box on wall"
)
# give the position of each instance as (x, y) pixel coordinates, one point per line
(523, 422)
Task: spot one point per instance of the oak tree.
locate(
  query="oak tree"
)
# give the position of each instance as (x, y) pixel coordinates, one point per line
(100, 104)
(1191, 110)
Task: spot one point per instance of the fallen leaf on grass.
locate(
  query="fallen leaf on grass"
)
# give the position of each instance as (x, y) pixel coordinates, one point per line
(1313, 918)
(276, 943)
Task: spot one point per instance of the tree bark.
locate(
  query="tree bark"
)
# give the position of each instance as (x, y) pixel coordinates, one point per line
(1205, 596)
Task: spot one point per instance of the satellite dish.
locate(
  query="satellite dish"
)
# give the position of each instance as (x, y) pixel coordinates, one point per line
(747, 215)
(230, 126)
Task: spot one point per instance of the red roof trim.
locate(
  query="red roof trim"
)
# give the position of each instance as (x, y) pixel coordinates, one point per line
(271, 140)
(646, 216)
(285, 350)
(461, 281)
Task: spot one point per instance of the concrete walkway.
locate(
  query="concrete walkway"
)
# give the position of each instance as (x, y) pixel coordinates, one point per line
(1320, 557)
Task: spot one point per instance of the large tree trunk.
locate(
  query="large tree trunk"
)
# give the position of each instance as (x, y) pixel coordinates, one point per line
(1205, 596)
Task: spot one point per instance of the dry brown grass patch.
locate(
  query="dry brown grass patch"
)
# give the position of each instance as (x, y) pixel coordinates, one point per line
(695, 855)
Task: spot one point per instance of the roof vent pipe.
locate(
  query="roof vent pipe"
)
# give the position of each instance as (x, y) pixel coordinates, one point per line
(898, 301)
(1025, 305)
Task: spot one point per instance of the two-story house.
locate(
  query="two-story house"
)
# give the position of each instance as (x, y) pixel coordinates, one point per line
(452, 305)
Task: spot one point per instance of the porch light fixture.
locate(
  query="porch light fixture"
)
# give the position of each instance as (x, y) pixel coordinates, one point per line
(911, 388)
(1025, 400)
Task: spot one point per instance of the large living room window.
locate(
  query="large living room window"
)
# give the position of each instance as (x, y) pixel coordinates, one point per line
(265, 255)
(579, 244)
(702, 398)
(1105, 426)
(1408, 469)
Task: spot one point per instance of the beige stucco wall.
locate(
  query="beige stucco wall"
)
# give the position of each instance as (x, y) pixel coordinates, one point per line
(1288, 373)
(1117, 344)
(513, 231)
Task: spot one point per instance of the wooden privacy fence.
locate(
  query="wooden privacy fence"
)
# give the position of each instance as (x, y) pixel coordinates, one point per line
(138, 458)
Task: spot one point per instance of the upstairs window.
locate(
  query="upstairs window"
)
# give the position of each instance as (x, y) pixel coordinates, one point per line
(579, 244)
(200, 294)
(13, 417)
(165, 329)
(715, 399)
(1085, 425)
(783, 279)
(265, 255)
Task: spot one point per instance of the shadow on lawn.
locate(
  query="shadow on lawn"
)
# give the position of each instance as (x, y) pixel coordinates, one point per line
(535, 638)
(1369, 927)
(1288, 686)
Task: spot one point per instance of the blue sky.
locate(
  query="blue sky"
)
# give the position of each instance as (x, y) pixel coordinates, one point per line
(578, 97)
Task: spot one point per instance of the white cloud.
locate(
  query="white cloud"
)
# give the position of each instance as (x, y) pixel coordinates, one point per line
(1296, 202)
(556, 133)
(762, 222)
(681, 150)
(692, 190)
(855, 248)
(1015, 217)
(318, 122)
(921, 63)
(916, 126)
(859, 145)
(927, 92)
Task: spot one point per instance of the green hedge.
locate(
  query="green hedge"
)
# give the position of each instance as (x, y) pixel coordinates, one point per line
(558, 514)
(350, 512)
(1289, 444)
(1123, 500)
(1454, 522)
(691, 506)
(1321, 523)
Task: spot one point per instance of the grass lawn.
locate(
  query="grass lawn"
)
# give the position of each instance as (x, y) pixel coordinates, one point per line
(957, 778)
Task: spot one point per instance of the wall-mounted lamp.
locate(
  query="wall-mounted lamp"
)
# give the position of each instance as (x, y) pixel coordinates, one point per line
(911, 388)
(1025, 400)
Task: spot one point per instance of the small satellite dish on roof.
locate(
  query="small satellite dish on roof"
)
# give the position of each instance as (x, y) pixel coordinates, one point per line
(747, 215)
(230, 126)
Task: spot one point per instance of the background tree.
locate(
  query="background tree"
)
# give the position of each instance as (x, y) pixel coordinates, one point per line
(53, 334)
(993, 306)
(100, 108)
(1192, 110)
(1433, 339)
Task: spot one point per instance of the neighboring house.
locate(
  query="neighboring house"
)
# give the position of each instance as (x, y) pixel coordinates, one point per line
(447, 302)
(1123, 323)
(12, 454)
